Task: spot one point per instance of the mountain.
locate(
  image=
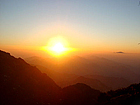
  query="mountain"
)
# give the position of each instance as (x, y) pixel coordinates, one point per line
(63, 71)
(79, 94)
(84, 66)
(94, 83)
(62, 79)
(65, 79)
(124, 96)
(102, 83)
(23, 84)
(112, 82)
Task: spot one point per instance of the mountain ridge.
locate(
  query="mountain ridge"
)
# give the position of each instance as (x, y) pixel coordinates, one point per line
(93, 66)
(23, 84)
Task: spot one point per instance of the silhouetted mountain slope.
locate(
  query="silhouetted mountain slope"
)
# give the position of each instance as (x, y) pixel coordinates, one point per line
(22, 84)
(65, 79)
(102, 83)
(112, 82)
(95, 84)
(124, 96)
(64, 71)
(62, 79)
(79, 94)
(83, 66)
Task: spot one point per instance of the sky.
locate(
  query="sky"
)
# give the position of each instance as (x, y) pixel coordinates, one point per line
(90, 25)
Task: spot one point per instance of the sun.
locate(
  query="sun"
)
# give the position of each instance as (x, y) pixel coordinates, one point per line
(58, 48)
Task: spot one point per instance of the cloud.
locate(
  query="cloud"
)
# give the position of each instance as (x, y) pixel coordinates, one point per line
(120, 52)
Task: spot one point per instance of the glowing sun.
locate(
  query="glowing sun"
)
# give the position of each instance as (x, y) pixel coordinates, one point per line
(58, 48)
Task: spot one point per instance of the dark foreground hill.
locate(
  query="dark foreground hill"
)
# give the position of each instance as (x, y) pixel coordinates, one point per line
(124, 96)
(23, 84)
(79, 94)
(94, 83)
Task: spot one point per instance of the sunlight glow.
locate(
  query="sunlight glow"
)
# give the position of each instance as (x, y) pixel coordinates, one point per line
(57, 46)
